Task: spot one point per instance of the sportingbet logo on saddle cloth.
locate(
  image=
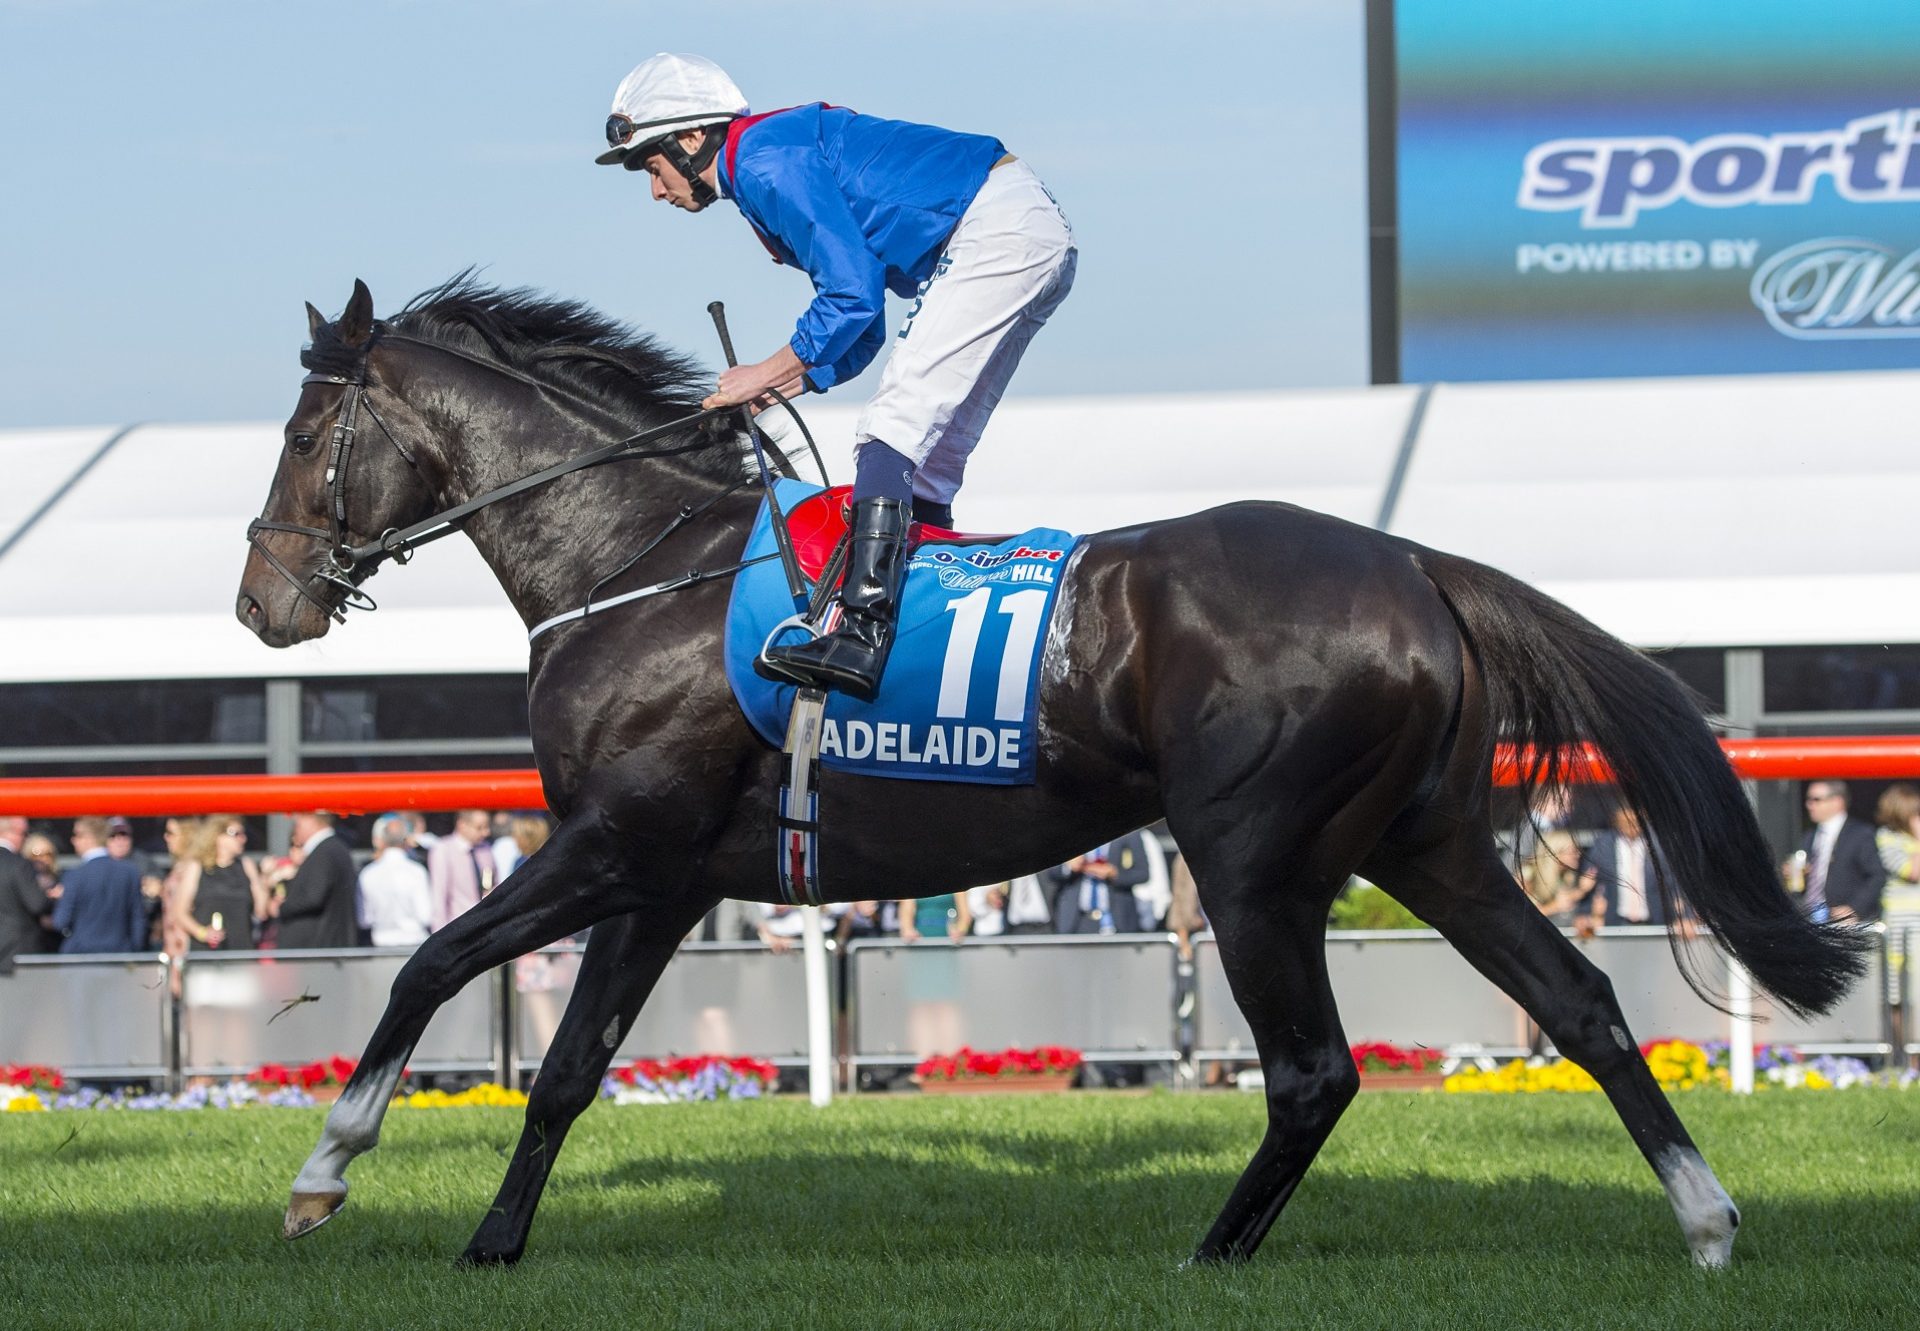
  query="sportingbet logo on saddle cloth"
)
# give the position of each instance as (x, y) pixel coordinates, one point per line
(958, 699)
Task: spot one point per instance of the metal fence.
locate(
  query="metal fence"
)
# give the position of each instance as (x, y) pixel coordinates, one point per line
(1409, 987)
(241, 1009)
(90, 1016)
(1113, 998)
(1118, 999)
(737, 999)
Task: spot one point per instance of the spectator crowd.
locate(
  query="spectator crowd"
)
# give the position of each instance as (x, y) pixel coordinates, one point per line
(209, 893)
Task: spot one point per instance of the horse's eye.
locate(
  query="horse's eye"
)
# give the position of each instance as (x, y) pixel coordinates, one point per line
(300, 445)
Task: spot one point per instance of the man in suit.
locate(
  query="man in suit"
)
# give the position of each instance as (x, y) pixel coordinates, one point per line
(1621, 882)
(100, 908)
(22, 903)
(319, 907)
(1844, 873)
(460, 867)
(1093, 893)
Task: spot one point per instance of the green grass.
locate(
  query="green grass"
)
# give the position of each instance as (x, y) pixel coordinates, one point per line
(1444, 1211)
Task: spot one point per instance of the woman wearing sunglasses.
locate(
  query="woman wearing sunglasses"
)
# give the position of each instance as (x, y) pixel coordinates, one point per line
(953, 222)
(218, 898)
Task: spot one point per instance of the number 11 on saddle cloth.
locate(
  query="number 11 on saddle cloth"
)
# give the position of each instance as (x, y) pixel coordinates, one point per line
(958, 699)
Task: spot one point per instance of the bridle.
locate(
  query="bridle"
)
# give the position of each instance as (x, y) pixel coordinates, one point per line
(348, 565)
(341, 561)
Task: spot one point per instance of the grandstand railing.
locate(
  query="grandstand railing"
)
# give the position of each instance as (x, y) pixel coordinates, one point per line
(887, 979)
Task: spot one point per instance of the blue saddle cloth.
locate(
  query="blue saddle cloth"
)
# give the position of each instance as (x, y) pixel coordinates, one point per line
(958, 699)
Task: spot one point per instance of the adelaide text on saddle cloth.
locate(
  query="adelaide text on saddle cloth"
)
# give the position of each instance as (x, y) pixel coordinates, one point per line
(958, 699)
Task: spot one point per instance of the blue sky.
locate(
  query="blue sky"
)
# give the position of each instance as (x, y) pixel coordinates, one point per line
(177, 176)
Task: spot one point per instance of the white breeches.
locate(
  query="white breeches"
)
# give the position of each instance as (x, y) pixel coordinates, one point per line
(1007, 266)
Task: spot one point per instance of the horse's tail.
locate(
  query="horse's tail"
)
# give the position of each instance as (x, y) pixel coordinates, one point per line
(1553, 679)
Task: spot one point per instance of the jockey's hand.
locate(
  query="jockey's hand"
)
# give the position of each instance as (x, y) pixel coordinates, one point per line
(790, 390)
(743, 383)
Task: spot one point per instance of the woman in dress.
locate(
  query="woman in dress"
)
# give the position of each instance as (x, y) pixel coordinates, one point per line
(217, 899)
(1898, 838)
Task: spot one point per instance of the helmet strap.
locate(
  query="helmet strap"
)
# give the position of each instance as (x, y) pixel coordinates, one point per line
(693, 165)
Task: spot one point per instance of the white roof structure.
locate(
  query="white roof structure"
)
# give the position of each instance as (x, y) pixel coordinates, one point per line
(1740, 511)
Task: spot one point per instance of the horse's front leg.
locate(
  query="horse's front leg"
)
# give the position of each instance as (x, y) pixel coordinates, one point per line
(571, 883)
(625, 957)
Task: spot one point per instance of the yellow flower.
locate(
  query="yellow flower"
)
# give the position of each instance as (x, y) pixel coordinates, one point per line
(487, 1093)
(25, 1104)
(1517, 1077)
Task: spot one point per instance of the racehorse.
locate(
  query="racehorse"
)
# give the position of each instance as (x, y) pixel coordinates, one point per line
(1302, 699)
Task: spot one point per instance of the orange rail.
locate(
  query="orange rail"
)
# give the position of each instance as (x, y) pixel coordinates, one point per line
(1858, 756)
(342, 792)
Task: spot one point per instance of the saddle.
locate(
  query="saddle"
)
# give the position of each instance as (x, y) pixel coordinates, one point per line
(818, 525)
(959, 702)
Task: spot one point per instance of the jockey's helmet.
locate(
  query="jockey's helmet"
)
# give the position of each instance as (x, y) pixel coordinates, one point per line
(664, 95)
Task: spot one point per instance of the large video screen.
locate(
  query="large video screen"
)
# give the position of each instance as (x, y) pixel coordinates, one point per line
(1644, 187)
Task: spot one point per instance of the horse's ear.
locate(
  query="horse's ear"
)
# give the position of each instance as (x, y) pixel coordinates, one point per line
(356, 325)
(315, 322)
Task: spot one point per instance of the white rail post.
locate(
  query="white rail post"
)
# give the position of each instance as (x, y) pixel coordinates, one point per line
(819, 1009)
(1740, 1026)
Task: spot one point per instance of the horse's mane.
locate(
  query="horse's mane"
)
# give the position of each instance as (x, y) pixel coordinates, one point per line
(563, 342)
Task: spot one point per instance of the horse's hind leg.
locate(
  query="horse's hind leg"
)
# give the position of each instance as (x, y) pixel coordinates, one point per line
(624, 959)
(1463, 890)
(1276, 960)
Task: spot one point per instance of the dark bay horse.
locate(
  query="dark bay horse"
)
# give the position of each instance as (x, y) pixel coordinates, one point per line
(1302, 699)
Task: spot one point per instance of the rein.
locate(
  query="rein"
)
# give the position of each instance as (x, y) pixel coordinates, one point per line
(349, 565)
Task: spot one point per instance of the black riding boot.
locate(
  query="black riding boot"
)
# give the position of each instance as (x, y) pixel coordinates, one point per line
(851, 658)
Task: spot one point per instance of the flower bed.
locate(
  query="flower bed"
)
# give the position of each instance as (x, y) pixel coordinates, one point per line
(1680, 1065)
(1046, 1068)
(1388, 1067)
(322, 1075)
(486, 1093)
(648, 1081)
(231, 1095)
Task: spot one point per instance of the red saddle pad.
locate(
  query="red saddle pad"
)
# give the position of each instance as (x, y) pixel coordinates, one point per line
(817, 524)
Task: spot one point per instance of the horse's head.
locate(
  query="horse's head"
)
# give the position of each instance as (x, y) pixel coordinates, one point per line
(343, 480)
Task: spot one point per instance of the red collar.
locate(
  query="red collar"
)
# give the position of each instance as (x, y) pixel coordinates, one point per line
(738, 127)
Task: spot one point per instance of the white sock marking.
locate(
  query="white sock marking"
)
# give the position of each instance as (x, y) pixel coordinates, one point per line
(353, 1127)
(1707, 1215)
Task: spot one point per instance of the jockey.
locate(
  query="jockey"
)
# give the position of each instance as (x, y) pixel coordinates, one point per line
(864, 206)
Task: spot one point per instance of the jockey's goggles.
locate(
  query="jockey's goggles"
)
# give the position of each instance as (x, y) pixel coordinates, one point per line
(620, 130)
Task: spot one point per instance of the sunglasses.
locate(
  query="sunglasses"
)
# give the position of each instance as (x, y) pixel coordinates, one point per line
(620, 129)
(234, 831)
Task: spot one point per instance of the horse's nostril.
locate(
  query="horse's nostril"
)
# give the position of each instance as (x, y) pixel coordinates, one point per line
(249, 609)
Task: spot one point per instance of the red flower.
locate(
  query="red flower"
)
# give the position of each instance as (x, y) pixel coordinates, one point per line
(1378, 1056)
(968, 1062)
(686, 1068)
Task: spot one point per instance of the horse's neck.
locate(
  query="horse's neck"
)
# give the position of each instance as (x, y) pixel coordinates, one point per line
(549, 545)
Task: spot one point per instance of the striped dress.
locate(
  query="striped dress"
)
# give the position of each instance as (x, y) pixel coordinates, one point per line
(1899, 901)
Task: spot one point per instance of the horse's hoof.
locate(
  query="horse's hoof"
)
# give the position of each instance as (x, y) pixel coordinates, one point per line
(307, 1211)
(1713, 1254)
(474, 1257)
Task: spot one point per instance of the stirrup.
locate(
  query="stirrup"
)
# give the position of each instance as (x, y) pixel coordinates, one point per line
(803, 622)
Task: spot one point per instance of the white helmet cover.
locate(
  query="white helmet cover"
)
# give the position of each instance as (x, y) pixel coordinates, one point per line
(665, 94)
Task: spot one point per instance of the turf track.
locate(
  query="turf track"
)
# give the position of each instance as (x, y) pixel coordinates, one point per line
(896, 1211)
